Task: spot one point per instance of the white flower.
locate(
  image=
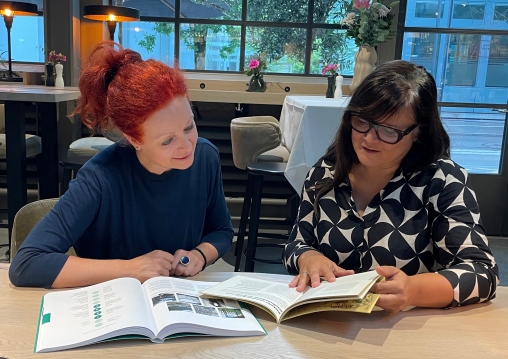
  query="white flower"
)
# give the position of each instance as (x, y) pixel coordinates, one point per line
(383, 11)
(349, 19)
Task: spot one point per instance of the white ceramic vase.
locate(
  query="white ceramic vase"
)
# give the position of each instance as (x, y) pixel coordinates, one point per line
(338, 86)
(365, 62)
(59, 82)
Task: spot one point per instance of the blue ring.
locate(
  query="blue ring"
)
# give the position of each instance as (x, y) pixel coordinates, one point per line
(184, 260)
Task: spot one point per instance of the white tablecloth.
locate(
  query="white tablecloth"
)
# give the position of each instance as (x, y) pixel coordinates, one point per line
(308, 125)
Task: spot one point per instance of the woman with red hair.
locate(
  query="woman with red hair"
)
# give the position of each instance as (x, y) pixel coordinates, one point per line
(151, 204)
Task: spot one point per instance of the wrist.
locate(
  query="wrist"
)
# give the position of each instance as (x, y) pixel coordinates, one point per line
(205, 261)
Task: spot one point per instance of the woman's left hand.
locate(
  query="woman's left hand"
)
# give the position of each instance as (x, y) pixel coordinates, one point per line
(191, 269)
(396, 292)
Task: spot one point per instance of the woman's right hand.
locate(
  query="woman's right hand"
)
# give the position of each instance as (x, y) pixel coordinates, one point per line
(153, 264)
(314, 265)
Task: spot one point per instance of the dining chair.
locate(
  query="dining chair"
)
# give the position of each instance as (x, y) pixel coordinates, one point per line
(257, 149)
(26, 219)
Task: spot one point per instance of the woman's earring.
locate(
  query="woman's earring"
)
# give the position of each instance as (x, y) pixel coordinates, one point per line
(137, 148)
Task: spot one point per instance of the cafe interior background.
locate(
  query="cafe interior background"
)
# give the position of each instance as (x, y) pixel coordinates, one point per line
(462, 43)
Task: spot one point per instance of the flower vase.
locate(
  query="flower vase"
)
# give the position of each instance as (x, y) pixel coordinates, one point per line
(338, 86)
(257, 84)
(365, 62)
(59, 82)
(49, 80)
(331, 86)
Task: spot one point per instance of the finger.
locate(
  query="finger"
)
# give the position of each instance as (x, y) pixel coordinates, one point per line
(315, 279)
(385, 288)
(388, 302)
(341, 272)
(294, 282)
(303, 280)
(387, 271)
(329, 274)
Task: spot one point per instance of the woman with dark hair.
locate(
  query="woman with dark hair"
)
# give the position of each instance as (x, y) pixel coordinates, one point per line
(386, 196)
(151, 204)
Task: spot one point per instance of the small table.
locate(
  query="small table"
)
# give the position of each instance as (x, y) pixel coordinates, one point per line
(15, 97)
(308, 125)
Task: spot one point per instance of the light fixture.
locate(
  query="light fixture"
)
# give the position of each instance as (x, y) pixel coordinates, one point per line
(110, 14)
(8, 9)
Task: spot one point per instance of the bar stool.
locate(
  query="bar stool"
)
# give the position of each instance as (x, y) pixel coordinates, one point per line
(78, 153)
(257, 148)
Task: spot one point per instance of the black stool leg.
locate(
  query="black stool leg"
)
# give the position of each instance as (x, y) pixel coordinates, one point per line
(244, 219)
(255, 211)
(66, 178)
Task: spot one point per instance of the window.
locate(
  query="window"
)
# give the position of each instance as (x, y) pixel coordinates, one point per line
(294, 36)
(466, 51)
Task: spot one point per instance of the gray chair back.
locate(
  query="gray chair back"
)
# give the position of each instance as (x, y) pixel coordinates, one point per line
(252, 136)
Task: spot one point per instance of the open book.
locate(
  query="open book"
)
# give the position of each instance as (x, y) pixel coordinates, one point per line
(349, 293)
(123, 308)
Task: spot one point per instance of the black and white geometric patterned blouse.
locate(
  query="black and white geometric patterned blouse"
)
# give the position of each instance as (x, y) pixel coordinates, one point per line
(420, 222)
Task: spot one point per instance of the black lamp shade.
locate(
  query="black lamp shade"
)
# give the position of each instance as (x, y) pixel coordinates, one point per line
(110, 13)
(19, 8)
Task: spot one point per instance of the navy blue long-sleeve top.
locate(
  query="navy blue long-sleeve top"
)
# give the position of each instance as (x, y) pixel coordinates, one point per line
(116, 209)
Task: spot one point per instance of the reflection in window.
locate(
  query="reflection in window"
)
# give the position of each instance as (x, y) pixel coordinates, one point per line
(497, 68)
(501, 12)
(462, 61)
(429, 10)
(468, 12)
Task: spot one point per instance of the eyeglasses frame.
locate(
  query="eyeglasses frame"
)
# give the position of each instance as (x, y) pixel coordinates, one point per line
(400, 134)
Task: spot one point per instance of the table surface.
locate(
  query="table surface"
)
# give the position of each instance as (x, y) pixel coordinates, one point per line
(470, 332)
(37, 93)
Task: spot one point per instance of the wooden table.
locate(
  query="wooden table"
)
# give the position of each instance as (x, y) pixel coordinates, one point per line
(477, 331)
(16, 96)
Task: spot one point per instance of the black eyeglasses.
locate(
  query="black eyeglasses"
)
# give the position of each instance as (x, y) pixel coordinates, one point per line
(384, 133)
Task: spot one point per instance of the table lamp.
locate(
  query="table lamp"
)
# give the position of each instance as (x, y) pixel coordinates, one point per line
(110, 14)
(8, 9)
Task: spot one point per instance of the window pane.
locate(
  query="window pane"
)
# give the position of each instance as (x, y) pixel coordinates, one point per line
(151, 39)
(476, 136)
(209, 47)
(332, 47)
(501, 12)
(497, 68)
(277, 11)
(284, 48)
(468, 12)
(462, 65)
(481, 14)
(211, 9)
(328, 11)
(429, 10)
(27, 40)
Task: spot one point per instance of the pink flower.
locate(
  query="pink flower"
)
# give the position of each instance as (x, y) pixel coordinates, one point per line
(329, 68)
(253, 64)
(361, 4)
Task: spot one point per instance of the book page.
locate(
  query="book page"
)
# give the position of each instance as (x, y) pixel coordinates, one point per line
(85, 315)
(178, 307)
(273, 297)
(364, 305)
(352, 287)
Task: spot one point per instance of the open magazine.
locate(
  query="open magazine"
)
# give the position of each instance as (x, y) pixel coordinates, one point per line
(160, 308)
(349, 293)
